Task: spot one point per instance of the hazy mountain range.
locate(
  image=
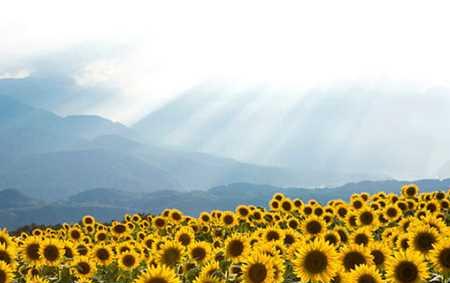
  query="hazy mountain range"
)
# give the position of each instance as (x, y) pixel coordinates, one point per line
(106, 204)
(52, 157)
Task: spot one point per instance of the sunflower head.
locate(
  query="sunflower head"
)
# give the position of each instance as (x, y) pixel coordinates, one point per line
(316, 261)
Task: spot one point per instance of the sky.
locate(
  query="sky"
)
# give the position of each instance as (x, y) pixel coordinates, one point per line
(163, 48)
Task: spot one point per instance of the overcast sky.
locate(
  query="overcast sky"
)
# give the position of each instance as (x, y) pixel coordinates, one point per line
(166, 47)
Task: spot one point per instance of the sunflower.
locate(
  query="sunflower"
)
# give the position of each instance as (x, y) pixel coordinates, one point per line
(6, 273)
(185, 236)
(365, 274)
(286, 205)
(102, 254)
(316, 261)
(313, 226)
(128, 260)
(170, 253)
(29, 250)
(272, 234)
(200, 251)
(228, 219)
(159, 274)
(440, 256)
(392, 213)
(175, 215)
(119, 229)
(243, 211)
(75, 234)
(332, 237)
(258, 268)
(406, 267)
(422, 239)
(410, 191)
(52, 252)
(353, 255)
(69, 249)
(83, 267)
(211, 269)
(366, 216)
(101, 236)
(8, 254)
(160, 222)
(88, 220)
(362, 236)
(379, 253)
(236, 247)
(5, 238)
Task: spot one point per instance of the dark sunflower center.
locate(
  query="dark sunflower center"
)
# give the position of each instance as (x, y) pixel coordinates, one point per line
(357, 204)
(391, 212)
(171, 256)
(75, 234)
(330, 238)
(404, 244)
(129, 260)
(366, 218)
(156, 280)
(68, 252)
(424, 241)
(293, 224)
(83, 268)
(119, 229)
(352, 259)
(289, 240)
(159, 222)
(273, 236)
(228, 219)
(235, 248)
(257, 272)
(33, 251)
(198, 253)
(362, 239)
(314, 227)
(185, 239)
(176, 216)
(101, 237)
(444, 257)
(410, 191)
(342, 212)
(343, 236)
(4, 256)
(51, 253)
(286, 205)
(315, 262)
(378, 257)
(366, 278)
(406, 272)
(103, 254)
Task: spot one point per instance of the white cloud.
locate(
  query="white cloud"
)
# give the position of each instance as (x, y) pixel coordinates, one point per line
(15, 74)
(177, 44)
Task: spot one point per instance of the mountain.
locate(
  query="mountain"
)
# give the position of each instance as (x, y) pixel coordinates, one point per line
(108, 204)
(12, 198)
(332, 135)
(195, 170)
(25, 129)
(59, 174)
(51, 157)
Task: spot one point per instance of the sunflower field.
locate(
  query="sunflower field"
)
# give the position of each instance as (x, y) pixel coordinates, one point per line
(367, 239)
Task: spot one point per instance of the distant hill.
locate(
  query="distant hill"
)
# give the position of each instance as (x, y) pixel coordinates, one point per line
(107, 204)
(57, 175)
(51, 157)
(11, 198)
